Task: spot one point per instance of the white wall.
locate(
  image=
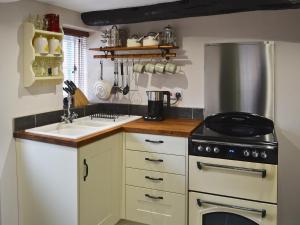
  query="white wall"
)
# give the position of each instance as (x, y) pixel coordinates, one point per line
(288, 130)
(193, 33)
(17, 100)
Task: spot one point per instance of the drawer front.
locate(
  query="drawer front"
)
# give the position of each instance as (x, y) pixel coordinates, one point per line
(156, 180)
(156, 143)
(168, 209)
(235, 182)
(212, 205)
(155, 162)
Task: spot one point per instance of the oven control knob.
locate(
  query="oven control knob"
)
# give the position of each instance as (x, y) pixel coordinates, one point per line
(246, 153)
(200, 148)
(263, 155)
(216, 150)
(208, 149)
(255, 154)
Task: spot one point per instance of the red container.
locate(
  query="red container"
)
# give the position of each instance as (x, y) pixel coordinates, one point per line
(52, 22)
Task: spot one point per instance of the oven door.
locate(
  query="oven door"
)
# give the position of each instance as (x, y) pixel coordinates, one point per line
(205, 209)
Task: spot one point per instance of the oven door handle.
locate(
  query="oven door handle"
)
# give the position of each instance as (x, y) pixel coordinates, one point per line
(263, 212)
(263, 172)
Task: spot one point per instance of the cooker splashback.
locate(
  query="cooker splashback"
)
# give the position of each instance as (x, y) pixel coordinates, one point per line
(239, 77)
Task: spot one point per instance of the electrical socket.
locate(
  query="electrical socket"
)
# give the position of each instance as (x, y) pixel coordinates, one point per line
(176, 92)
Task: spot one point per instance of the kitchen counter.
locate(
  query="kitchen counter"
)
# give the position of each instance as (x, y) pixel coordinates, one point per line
(170, 126)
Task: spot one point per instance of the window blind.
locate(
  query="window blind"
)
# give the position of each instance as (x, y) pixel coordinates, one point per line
(75, 60)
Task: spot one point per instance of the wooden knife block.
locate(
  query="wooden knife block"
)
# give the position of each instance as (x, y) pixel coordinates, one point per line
(79, 98)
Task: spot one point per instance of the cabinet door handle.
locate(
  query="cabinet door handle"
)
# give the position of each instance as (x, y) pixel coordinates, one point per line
(263, 212)
(263, 172)
(154, 142)
(154, 178)
(86, 169)
(154, 197)
(154, 160)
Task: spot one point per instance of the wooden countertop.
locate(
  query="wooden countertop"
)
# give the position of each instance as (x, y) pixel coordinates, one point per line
(170, 126)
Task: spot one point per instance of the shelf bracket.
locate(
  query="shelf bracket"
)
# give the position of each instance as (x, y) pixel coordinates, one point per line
(165, 53)
(112, 54)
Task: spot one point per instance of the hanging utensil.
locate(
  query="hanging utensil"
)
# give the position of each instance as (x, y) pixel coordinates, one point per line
(122, 74)
(102, 89)
(115, 73)
(126, 88)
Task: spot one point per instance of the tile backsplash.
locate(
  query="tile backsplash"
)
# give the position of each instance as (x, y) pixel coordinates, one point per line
(27, 122)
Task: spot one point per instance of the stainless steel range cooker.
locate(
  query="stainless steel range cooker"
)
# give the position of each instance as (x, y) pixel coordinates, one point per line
(233, 171)
(233, 156)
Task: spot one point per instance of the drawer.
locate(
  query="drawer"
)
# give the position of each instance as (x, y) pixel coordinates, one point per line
(156, 143)
(155, 180)
(156, 162)
(167, 209)
(235, 182)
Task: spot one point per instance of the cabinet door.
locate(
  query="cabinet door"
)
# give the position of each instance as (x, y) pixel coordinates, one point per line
(100, 181)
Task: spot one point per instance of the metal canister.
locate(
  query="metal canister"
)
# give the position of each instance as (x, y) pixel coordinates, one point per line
(168, 36)
(115, 36)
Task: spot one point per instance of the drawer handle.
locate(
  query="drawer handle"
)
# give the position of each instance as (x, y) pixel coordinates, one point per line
(154, 197)
(154, 160)
(154, 142)
(153, 178)
(263, 212)
(263, 172)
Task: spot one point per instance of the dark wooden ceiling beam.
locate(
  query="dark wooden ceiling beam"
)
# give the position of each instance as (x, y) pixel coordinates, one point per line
(182, 9)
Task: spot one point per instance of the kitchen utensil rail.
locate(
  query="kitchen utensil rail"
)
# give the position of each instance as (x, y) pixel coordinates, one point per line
(155, 47)
(136, 56)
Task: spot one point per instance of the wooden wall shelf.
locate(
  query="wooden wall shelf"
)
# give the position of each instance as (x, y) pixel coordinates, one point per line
(109, 52)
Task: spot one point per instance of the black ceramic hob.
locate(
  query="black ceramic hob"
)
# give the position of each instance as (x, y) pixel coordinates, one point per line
(236, 136)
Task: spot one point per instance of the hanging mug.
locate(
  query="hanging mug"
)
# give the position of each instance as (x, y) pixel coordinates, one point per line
(171, 68)
(160, 67)
(139, 68)
(150, 67)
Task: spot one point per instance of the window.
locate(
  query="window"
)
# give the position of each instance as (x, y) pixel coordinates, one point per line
(75, 57)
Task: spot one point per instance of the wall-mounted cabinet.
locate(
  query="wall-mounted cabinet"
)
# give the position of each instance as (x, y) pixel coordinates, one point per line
(41, 66)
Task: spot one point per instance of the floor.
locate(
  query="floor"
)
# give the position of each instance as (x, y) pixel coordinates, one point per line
(125, 222)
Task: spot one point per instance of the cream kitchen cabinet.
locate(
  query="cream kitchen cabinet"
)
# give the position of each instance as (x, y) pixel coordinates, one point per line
(156, 179)
(61, 185)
